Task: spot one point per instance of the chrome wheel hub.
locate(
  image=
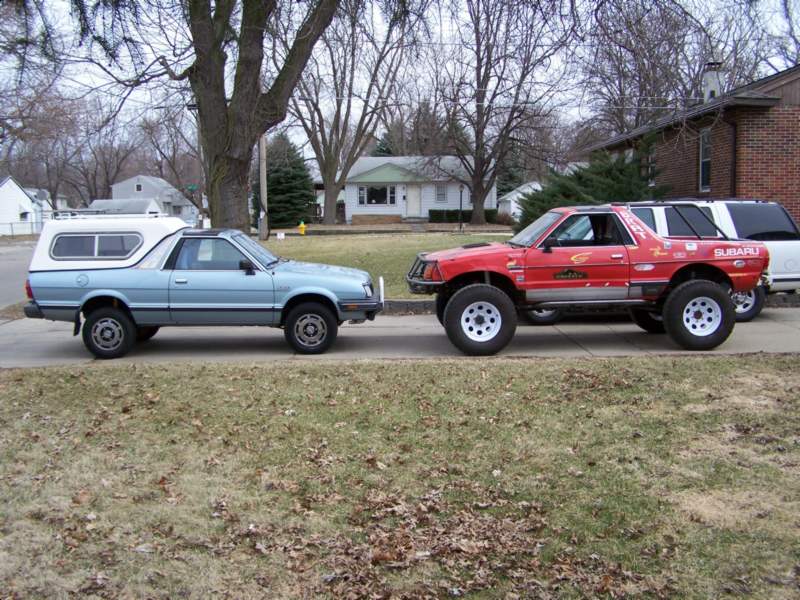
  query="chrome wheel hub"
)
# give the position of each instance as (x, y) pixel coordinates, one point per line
(744, 301)
(702, 316)
(310, 330)
(481, 321)
(108, 334)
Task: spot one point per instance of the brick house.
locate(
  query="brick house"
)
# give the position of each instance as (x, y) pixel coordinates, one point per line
(741, 144)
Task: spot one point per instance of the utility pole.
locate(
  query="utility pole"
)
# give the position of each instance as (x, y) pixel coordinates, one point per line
(263, 221)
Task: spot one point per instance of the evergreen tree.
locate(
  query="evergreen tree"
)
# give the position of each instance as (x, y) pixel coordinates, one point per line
(290, 190)
(383, 147)
(604, 179)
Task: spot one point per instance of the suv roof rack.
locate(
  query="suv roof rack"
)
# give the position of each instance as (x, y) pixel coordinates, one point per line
(78, 213)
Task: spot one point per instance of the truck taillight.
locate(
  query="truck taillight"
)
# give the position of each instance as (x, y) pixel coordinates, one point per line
(431, 272)
(28, 290)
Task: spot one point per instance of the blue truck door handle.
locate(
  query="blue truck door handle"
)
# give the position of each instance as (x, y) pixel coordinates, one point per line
(181, 281)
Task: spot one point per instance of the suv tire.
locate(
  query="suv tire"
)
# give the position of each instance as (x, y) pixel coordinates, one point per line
(542, 316)
(310, 328)
(749, 304)
(109, 333)
(480, 319)
(699, 315)
(145, 333)
(651, 322)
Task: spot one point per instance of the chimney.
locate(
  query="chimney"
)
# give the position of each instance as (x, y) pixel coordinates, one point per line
(712, 81)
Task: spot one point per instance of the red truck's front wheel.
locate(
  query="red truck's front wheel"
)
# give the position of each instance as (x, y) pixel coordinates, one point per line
(480, 319)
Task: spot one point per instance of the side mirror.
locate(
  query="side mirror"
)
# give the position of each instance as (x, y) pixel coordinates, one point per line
(547, 245)
(247, 267)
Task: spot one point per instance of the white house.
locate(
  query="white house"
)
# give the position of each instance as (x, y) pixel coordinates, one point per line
(143, 187)
(20, 214)
(509, 203)
(396, 188)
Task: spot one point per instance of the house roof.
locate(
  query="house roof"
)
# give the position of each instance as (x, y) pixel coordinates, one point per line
(525, 188)
(413, 168)
(124, 206)
(745, 95)
(26, 191)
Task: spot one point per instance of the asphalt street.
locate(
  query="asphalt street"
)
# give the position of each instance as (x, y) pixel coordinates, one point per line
(28, 342)
(14, 261)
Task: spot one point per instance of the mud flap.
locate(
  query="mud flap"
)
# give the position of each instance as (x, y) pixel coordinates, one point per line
(77, 328)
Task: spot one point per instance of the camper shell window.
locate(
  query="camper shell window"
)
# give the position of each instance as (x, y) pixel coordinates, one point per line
(98, 246)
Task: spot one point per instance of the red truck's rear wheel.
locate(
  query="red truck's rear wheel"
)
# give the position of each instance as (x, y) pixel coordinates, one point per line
(699, 315)
(480, 319)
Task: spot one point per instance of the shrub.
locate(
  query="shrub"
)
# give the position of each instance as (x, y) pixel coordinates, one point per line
(436, 215)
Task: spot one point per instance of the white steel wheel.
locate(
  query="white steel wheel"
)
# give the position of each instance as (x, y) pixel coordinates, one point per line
(310, 330)
(702, 316)
(108, 334)
(744, 301)
(481, 321)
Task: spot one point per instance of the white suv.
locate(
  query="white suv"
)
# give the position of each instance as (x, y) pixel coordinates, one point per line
(767, 222)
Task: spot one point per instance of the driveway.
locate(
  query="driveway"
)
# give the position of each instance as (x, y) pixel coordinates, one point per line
(26, 342)
(14, 261)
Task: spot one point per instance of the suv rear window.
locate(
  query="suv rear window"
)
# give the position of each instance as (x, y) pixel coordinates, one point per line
(678, 227)
(763, 222)
(107, 246)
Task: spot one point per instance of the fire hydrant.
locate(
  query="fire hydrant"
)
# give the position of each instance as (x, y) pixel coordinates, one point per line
(302, 228)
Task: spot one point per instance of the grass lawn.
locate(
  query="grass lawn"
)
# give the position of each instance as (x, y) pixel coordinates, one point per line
(380, 254)
(483, 478)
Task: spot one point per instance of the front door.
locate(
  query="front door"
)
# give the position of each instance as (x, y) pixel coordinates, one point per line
(413, 201)
(208, 287)
(584, 259)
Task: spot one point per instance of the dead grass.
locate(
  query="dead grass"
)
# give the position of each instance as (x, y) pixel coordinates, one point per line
(12, 312)
(413, 479)
(387, 255)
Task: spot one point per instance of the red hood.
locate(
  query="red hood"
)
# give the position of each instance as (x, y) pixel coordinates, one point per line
(477, 250)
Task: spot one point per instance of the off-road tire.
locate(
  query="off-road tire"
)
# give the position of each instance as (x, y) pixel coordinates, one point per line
(651, 322)
(492, 301)
(752, 306)
(313, 315)
(544, 316)
(108, 333)
(695, 305)
(145, 333)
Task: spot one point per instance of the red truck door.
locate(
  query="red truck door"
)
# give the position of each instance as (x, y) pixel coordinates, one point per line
(583, 259)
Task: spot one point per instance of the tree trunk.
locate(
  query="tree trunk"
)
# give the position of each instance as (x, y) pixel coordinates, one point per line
(227, 192)
(479, 193)
(331, 198)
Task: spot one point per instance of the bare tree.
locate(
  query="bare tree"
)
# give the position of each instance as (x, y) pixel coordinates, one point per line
(787, 39)
(493, 86)
(171, 150)
(348, 83)
(643, 59)
(218, 49)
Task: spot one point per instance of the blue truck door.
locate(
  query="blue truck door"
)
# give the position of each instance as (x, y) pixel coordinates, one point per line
(207, 286)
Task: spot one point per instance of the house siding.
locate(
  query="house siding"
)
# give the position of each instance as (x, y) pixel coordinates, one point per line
(428, 200)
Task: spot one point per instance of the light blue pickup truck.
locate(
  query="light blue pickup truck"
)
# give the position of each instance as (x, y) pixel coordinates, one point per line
(127, 277)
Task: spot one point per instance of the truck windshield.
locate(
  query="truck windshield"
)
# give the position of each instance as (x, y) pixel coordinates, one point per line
(534, 231)
(261, 254)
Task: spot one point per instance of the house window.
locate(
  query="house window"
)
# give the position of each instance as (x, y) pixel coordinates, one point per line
(138, 187)
(441, 192)
(23, 216)
(176, 211)
(705, 160)
(376, 195)
(650, 166)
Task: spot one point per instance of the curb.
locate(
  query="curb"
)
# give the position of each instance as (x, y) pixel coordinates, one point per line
(428, 307)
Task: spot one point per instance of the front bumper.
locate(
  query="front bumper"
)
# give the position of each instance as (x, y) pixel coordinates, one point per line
(415, 281)
(32, 311)
(368, 306)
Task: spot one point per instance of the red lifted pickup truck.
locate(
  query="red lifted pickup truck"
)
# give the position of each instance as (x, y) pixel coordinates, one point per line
(593, 255)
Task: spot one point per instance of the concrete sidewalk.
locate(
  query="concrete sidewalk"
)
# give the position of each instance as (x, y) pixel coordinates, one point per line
(27, 343)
